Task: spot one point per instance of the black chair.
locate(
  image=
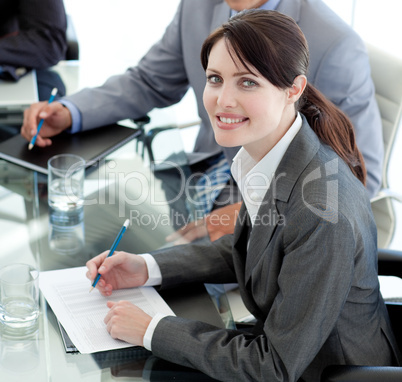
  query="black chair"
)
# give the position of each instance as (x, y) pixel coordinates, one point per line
(147, 136)
(143, 140)
(389, 264)
(73, 51)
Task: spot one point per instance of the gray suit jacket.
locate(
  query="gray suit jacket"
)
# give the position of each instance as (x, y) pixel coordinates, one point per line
(309, 275)
(339, 68)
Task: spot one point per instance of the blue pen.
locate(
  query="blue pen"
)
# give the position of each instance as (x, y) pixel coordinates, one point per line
(32, 143)
(112, 249)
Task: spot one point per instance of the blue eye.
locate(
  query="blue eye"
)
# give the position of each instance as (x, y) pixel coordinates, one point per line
(213, 79)
(249, 83)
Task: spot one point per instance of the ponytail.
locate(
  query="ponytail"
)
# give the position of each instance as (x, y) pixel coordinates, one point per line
(333, 128)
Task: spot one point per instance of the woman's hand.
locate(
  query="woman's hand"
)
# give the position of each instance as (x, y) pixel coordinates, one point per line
(127, 322)
(119, 271)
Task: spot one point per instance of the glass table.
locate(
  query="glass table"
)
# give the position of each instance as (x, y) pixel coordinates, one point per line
(122, 186)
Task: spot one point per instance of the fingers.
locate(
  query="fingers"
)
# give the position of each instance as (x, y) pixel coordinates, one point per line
(104, 289)
(179, 233)
(110, 270)
(110, 313)
(222, 221)
(55, 119)
(118, 310)
(111, 262)
(127, 322)
(217, 224)
(94, 265)
(197, 232)
(31, 120)
(49, 109)
(41, 142)
(188, 233)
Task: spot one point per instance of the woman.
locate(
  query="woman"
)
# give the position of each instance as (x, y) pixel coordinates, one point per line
(304, 249)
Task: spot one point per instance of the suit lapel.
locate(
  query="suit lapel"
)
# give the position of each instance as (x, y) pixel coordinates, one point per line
(299, 154)
(240, 253)
(241, 224)
(262, 231)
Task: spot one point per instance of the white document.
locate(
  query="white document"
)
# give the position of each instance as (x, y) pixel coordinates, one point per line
(81, 313)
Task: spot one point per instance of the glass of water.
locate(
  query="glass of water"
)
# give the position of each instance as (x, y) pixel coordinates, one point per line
(19, 297)
(66, 173)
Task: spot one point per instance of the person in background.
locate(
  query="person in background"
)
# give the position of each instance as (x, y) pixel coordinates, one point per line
(339, 67)
(304, 255)
(32, 36)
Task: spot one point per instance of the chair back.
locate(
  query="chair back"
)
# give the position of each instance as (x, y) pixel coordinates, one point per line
(386, 72)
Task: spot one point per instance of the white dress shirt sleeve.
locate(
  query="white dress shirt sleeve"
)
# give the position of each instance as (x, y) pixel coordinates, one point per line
(150, 330)
(154, 272)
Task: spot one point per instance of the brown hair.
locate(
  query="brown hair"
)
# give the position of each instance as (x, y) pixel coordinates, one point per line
(274, 45)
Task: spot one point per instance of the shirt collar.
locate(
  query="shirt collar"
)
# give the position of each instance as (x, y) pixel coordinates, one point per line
(270, 5)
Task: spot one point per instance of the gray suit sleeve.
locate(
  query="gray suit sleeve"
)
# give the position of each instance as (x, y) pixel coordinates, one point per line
(307, 305)
(204, 262)
(159, 80)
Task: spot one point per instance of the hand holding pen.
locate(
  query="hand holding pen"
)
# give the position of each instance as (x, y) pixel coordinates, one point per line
(122, 270)
(56, 118)
(33, 140)
(112, 249)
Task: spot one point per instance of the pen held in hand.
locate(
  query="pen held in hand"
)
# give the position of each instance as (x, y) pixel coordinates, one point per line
(32, 143)
(112, 249)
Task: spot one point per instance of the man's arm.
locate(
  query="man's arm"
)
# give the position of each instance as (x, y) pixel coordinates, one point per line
(159, 80)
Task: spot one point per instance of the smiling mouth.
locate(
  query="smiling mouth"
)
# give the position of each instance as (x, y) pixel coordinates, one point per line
(231, 120)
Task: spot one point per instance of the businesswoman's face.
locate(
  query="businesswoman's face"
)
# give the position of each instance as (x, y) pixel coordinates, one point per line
(245, 109)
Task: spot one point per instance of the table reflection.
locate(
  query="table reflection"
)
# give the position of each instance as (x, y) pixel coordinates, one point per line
(123, 186)
(66, 231)
(151, 368)
(19, 355)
